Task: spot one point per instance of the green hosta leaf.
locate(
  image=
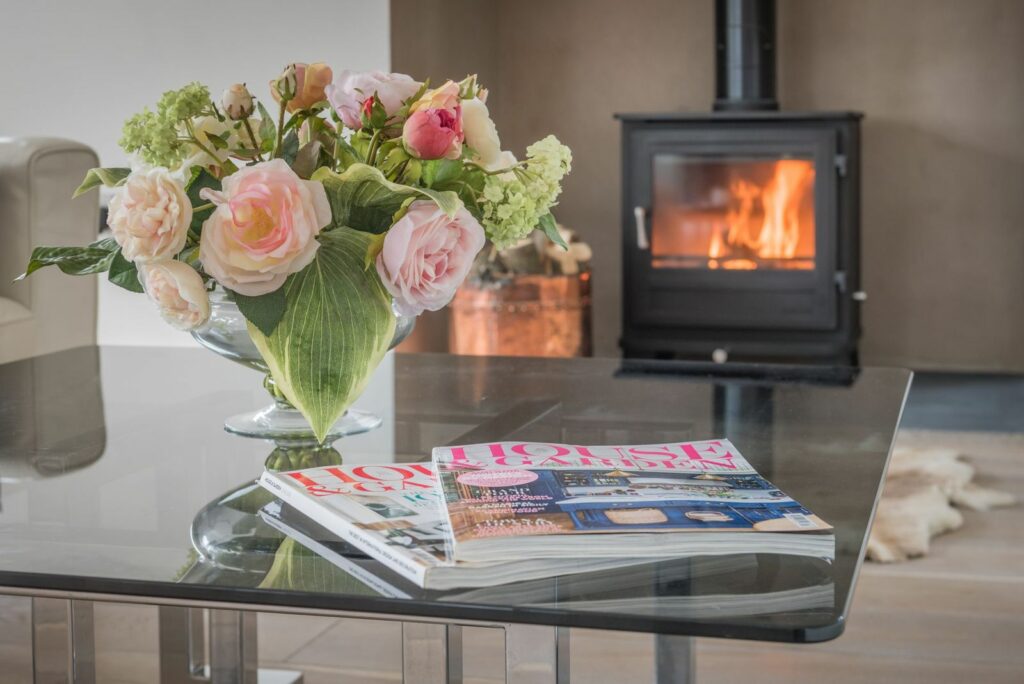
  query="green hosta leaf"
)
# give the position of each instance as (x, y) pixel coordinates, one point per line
(265, 311)
(97, 177)
(96, 258)
(362, 198)
(550, 228)
(296, 568)
(336, 329)
(124, 273)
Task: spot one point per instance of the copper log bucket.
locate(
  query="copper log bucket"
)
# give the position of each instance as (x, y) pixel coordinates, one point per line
(527, 315)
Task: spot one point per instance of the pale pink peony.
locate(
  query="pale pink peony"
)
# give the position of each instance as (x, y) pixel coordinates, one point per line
(351, 89)
(178, 291)
(264, 227)
(149, 216)
(427, 255)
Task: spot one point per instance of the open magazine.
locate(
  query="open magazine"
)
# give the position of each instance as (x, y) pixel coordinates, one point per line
(393, 513)
(537, 500)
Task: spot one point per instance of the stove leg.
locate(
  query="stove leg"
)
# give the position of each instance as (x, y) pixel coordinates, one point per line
(674, 659)
(63, 645)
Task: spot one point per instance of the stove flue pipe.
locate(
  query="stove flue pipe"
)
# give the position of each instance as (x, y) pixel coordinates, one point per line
(745, 55)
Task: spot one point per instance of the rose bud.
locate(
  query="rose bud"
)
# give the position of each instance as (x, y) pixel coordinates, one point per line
(307, 87)
(434, 134)
(434, 129)
(237, 102)
(285, 86)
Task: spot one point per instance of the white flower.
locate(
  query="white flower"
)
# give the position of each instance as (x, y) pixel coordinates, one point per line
(149, 215)
(178, 290)
(481, 134)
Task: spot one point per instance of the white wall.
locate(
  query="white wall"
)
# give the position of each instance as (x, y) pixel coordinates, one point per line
(77, 70)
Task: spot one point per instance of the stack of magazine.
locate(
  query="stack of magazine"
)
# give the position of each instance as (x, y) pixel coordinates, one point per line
(487, 514)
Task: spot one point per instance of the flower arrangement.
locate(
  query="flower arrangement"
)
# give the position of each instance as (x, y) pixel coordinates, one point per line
(367, 193)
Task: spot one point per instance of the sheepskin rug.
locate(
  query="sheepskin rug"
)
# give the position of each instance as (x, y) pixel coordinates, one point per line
(925, 489)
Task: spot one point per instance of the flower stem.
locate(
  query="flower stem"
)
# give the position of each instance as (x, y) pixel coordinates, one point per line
(203, 207)
(252, 136)
(371, 154)
(280, 130)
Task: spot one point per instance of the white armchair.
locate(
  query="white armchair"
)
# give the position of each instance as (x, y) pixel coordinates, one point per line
(48, 311)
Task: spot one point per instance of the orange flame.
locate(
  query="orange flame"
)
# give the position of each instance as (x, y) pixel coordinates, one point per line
(774, 231)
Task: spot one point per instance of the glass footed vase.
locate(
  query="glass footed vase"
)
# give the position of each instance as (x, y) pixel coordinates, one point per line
(226, 334)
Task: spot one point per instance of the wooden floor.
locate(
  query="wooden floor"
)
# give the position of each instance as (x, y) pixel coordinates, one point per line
(955, 616)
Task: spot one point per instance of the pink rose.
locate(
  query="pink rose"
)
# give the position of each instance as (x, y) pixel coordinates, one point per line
(427, 255)
(178, 291)
(434, 133)
(149, 216)
(351, 89)
(264, 227)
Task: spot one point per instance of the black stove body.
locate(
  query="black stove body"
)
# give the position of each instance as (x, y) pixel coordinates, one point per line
(741, 227)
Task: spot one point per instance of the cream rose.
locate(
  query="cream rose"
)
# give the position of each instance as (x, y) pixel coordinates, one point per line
(178, 292)
(264, 227)
(149, 216)
(481, 134)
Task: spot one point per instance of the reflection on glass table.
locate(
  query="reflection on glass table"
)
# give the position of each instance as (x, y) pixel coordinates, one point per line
(168, 514)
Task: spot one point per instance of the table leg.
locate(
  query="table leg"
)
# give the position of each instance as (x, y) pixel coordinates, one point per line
(431, 653)
(674, 659)
(229, 653)
(63, 646)
(536, 655)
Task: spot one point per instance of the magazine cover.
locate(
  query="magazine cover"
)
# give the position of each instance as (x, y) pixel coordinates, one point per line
(521, 489)
(394, 513)
(391, 511)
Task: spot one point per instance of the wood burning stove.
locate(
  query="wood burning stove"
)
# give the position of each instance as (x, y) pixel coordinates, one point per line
(741, 227)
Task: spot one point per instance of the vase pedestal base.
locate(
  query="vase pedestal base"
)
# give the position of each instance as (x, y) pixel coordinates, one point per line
(285, 425)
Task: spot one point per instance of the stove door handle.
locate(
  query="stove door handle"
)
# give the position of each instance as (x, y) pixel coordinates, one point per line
(640, 214)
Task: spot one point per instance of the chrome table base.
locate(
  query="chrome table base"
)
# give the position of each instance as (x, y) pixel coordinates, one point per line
(220, 645)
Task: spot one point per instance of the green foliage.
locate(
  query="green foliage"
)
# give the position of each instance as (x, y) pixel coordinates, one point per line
(265, 311)
(550, 228)
(200, 179)
(441, 173)
(124, 273)
(96, 258)
(335, 331)
(267, 131)
(362, 198)
(111, 177)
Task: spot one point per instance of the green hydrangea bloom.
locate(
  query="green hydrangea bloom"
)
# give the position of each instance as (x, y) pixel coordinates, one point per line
(154, 136)
(513, 203)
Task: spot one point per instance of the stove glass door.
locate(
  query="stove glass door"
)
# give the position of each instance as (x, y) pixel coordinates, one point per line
(739, 213)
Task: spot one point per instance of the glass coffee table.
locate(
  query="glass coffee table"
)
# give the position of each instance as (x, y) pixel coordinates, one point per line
(118, 483)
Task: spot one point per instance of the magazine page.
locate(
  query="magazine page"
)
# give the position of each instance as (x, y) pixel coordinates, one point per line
(514, 489)
(392, 511)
